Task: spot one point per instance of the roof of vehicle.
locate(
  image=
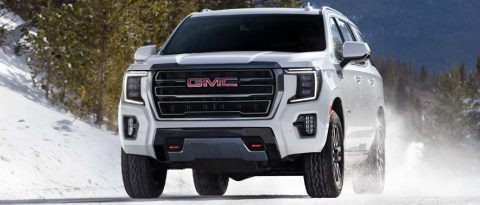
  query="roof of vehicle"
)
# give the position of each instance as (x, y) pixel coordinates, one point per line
(206, 12)
(308, 10)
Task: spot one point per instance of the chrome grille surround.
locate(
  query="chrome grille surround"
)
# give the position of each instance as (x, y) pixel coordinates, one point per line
(254, 97)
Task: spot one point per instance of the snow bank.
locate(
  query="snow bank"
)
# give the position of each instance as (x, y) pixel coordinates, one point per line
(8, 19)
(45, 152)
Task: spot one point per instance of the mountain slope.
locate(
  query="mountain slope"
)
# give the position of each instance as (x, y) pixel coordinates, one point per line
(45, 152)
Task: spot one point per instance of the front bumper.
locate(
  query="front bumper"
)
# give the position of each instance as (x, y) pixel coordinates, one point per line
(215, 148)
(286, 137)
(215, 143)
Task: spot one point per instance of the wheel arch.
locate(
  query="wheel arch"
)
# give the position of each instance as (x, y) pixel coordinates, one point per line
(380, 111)
(381, 114)
(338, 108)
(381, 118)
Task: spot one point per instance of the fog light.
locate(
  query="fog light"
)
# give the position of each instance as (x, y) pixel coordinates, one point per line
(306, 124)
(174, 144)
(174, 148)
(130, 126)
(254, 143)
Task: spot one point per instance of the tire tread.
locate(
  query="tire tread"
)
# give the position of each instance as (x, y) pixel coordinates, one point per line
(318, 177)
(209, 184)
(137, 177)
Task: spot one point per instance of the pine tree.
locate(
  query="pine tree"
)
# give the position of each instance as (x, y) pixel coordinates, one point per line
(455, 88)
(26, 9)
(462, 73)
(423, 73)
(279, 3)
(477, 71)
(472, 103)
(44, 48)
(401, 96)
(83, 47)
(424, 76)
(2, 31)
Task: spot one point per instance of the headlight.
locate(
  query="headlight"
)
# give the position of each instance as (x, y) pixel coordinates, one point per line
(308, 84)
(132, 90)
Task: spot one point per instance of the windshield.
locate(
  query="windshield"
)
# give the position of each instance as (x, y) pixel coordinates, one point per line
(262, 32)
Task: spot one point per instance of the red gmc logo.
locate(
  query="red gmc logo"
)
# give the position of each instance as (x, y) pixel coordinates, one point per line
(216, 82)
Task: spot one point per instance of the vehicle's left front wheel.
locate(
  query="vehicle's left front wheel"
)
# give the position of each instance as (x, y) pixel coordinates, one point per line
(370, 176)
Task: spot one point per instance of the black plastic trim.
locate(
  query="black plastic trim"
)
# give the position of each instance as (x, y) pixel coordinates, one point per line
(166, 134)
(253, 64)
(125, 127)
(278, 85)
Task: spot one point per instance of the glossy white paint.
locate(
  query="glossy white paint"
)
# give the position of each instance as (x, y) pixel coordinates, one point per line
(144, 52)
(245, 11)
(358, 85)
(355, 50)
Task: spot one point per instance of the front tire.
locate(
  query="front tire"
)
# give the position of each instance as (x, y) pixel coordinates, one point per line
(210, 184)
(324, 171)
(370, 178)
(143, 177)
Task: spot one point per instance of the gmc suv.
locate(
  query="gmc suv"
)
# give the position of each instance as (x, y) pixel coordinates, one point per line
(239, 93)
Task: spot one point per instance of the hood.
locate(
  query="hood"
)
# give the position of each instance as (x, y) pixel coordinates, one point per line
(284, 59)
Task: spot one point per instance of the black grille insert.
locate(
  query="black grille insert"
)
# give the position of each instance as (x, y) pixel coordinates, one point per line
(253, 97)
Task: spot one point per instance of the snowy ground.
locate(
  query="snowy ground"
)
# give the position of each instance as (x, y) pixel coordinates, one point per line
(267, 199)
(44, 152)
(48, 156)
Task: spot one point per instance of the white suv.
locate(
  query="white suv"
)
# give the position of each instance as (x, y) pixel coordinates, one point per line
(254, 92)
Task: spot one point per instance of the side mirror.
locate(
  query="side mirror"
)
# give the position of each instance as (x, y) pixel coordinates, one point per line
(353, 51)
(144, 52)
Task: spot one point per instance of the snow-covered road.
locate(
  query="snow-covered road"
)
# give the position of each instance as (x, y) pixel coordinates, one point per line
(263, 199)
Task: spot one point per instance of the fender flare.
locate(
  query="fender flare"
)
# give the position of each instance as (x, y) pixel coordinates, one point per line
(335, 93)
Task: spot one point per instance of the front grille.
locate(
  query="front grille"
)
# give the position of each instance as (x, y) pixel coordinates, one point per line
(252, 98)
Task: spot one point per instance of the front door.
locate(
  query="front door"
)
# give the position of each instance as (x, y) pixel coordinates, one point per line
(355, 88)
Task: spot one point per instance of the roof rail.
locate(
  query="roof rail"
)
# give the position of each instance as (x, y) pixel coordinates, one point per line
(308, 6)
(330, 9)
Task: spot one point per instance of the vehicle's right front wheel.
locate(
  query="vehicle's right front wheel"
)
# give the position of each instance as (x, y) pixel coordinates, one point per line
(323, 175)
(143, 177)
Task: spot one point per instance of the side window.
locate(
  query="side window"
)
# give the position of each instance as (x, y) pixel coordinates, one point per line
(358, 34)
(336, 38)
(352, 33)
(345, 31)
